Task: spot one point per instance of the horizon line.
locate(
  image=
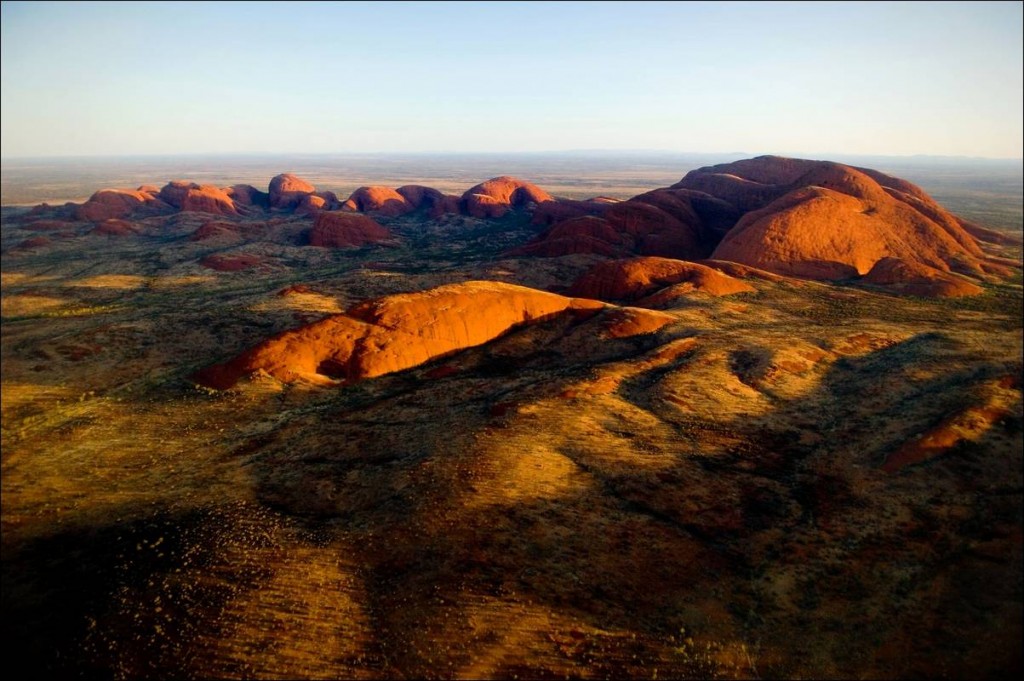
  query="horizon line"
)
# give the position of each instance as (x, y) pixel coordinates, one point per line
(555, 152)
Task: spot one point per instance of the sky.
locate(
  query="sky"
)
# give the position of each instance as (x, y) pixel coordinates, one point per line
(124, 78)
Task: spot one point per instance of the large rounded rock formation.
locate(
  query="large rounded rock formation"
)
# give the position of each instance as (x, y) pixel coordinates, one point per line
(205, 198)
(395, 333)
(824, 220)
(383, 200)
(494, 198)
(287, 190)
(812, 219)
(434, 201)
(108, 204)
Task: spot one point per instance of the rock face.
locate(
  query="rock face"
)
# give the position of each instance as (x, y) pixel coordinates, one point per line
(109, 204)
(384, 200)
(636, 278)
(435, 202)
(313, 204)
(916, 279)
(390, 202)
(247, 195)
(287, 190)
(336, 229)
(494, 198)
(565, 209)
(420, 196)
(650, 224)
(189, 196)
(824, 220)
(394, 333)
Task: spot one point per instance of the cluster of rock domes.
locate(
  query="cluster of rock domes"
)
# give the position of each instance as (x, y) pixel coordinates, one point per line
(810, 219)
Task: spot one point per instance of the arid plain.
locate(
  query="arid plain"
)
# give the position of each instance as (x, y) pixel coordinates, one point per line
(679, 435)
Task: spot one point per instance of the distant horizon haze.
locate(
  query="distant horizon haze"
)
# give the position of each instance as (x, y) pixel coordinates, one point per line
(88, 79)
(568, 153)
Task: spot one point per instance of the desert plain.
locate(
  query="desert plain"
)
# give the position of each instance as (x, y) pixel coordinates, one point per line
(509, 431)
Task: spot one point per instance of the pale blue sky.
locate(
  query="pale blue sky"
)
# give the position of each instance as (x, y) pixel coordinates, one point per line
(799, 78)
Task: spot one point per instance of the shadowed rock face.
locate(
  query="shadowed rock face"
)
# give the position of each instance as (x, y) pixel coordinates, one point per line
(656, 223)
(247, 195)
(287, 190)
(419, 196)
(566, 209)
(435, 202)
(396, 332)
(494, 198)
(343, 230)
(638, 277)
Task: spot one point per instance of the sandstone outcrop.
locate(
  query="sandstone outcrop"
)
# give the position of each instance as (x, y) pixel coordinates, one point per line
(396, 332)
(794, 217)
(109, 204)
(920, 280)
(824, 220)
(205, 198)
(383, 200)
(336, 229)
(550, 212)
(247, 195)
(495, 197)
(287, 190)
(625, 322)
(635, 278)
(625, 228)
(313, 204)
